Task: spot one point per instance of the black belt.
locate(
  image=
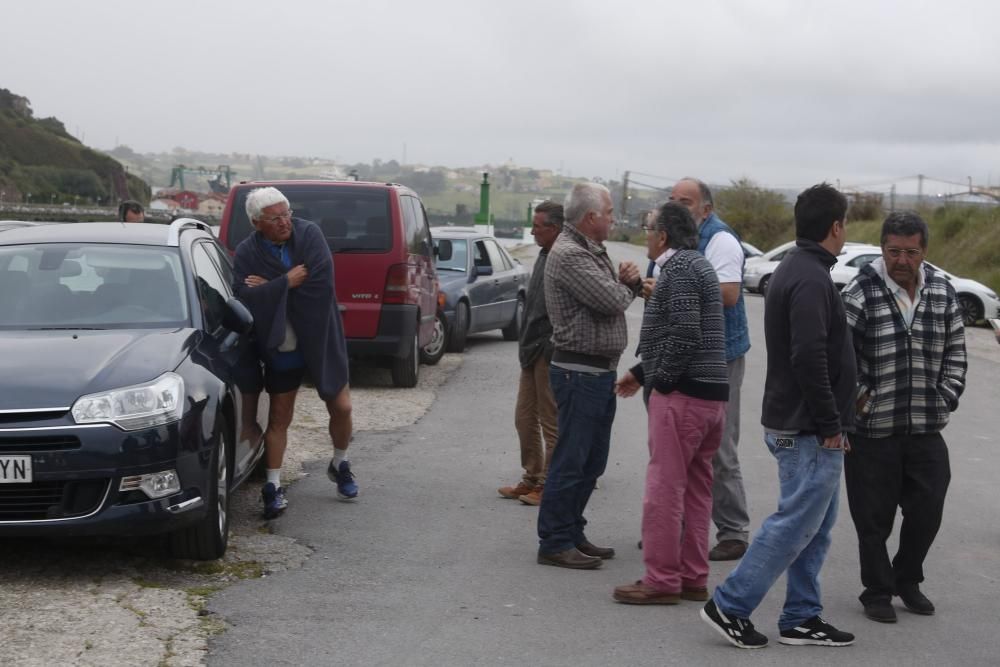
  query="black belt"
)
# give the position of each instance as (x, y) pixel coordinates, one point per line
(582, 359)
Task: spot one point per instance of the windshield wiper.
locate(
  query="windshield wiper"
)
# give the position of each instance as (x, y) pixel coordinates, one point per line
(450, 268)
(67, 329)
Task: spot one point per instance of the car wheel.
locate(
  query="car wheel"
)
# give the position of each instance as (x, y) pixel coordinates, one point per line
(434, 350)
(972, 309)
(208, 539)
(406, 368)
(762, 287)
(459, 329)
(513, 330)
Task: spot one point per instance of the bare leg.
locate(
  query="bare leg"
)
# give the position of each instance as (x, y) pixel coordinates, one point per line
(279, 418)
(341, 425)
(249, 428)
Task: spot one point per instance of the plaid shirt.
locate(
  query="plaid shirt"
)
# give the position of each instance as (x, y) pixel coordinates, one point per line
(914, 374)
(586, 303)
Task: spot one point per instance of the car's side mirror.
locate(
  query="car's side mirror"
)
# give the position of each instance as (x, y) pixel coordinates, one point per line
(237, 318)
(443, 250)
(484, 270)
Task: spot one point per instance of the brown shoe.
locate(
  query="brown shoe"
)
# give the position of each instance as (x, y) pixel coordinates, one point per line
(604, 553)
(695, 594)
(533, 497)
(571, 558)
(728, 550)
(640, 593)
(515, 492)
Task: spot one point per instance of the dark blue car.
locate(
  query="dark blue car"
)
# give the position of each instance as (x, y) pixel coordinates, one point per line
(483, 286)
(118, 410)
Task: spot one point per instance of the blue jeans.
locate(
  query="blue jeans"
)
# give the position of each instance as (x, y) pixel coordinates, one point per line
(586, 409)
(795, 538)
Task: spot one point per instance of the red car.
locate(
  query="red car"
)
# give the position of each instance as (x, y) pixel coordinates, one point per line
(383, 262)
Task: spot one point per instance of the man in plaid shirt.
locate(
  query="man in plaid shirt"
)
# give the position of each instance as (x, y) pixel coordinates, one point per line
(910, 346)
(586, 300)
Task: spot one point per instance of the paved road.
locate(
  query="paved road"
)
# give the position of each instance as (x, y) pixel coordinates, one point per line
(431, 567)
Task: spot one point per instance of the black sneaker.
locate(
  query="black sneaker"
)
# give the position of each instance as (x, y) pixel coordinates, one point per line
(274, 500)
(738, 631)
(817, 632)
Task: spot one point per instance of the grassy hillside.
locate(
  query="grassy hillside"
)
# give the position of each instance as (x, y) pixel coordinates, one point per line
(38, 157)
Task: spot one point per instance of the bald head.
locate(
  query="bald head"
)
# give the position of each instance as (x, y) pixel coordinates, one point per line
(695, 196)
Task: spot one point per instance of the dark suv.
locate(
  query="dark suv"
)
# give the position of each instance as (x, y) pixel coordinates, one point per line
(383, 262)
(118, 411)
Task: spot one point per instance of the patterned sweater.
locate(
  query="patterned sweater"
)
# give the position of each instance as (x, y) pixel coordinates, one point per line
(914, 375)
(683, 338)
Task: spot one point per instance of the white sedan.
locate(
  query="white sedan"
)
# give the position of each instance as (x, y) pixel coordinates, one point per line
(978, 301)
(757, 270)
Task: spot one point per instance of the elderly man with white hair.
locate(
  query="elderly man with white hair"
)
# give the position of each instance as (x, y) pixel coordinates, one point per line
(284, 275)
(586, 300)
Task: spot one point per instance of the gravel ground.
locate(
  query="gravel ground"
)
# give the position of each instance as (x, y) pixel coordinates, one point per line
(117, 602)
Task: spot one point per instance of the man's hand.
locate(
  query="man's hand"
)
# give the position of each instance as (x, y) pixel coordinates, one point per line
(254, 281)
(647, 287)
(297, 275)
(838, 441)
(862, 403)
(628, 274)
(627, 385)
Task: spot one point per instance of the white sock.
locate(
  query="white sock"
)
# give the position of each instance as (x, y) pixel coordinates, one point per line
(338, 456)
(274, 477)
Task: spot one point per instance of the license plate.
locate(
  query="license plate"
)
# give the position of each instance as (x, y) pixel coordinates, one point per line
(15, 469)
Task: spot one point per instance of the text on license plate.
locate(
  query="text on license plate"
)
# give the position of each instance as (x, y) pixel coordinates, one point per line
(15, 469)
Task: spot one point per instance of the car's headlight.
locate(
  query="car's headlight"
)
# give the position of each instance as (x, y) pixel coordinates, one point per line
(990, 293)
(131, 408)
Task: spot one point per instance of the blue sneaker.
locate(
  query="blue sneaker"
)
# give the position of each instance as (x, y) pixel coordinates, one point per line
(274, 500)
(347, 488)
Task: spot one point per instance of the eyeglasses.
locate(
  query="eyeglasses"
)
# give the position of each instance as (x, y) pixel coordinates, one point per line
(274, 218)
(911, 253)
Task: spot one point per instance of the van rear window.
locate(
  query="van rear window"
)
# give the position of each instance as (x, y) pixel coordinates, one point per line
(353, 220)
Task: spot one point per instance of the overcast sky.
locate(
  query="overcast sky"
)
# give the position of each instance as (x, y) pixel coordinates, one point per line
(784, 92)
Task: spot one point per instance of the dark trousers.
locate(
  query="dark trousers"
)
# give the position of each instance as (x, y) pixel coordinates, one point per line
(906, 471)
(585, 411)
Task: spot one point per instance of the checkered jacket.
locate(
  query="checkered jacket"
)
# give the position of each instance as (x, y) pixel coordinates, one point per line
(586, 303)
(914, 375)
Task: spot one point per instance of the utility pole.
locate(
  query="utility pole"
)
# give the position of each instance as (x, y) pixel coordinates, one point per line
(624, 214)
(920, 190)
(892, 198)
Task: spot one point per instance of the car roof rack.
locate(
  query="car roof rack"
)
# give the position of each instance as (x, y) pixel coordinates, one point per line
(179, 225)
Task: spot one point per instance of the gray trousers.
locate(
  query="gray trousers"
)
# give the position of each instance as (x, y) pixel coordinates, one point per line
(729, 500)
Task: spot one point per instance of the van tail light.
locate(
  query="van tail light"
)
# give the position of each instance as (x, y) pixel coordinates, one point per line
(397, 285)
(442, 297)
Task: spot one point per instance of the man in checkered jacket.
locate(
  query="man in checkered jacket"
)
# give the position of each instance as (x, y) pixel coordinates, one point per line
(910, 347)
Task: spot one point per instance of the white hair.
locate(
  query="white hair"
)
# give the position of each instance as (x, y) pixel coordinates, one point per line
(261, 198)
(582, 199)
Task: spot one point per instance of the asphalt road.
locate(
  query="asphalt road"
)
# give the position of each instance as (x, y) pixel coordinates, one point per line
(432, 567)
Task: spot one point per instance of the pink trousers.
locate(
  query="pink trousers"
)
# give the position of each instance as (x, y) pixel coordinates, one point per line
(684, 433)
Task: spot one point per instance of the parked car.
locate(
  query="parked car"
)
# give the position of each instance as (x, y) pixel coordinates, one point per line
(118, 412)
(484, 287)
(750, 250)
(383, 264)
(757, 270)
(978, 302)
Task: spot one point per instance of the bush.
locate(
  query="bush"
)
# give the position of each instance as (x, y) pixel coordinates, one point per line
(760, 216)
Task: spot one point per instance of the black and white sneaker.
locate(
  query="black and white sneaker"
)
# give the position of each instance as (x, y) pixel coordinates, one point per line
(817, 632)
(738, 631)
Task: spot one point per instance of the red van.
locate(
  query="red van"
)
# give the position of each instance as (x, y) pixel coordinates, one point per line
(383, 262)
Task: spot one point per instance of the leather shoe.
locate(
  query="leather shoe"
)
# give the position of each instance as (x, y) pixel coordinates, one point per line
(880, 609)
(914, 600)
(640, 593)
(728, 550)
(571, 558)
(695, 594)
(588, 549)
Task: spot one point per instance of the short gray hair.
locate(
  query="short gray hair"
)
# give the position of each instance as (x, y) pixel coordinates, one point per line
(582, 199)
(261, 198)
(703, 189)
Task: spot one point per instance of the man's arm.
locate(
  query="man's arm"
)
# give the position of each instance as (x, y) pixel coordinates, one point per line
(725, 254)
(578, 274)
(952, 381)
(857, 322)
(809, 325)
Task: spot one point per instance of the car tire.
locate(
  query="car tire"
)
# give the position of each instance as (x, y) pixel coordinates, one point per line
(972, 309)
(406, 369)
(208, 539)
(762, 286)
(431, 353)
(513, 330)
(459, 329)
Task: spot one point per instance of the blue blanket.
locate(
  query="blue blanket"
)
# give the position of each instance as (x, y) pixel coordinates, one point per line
(311, 308)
